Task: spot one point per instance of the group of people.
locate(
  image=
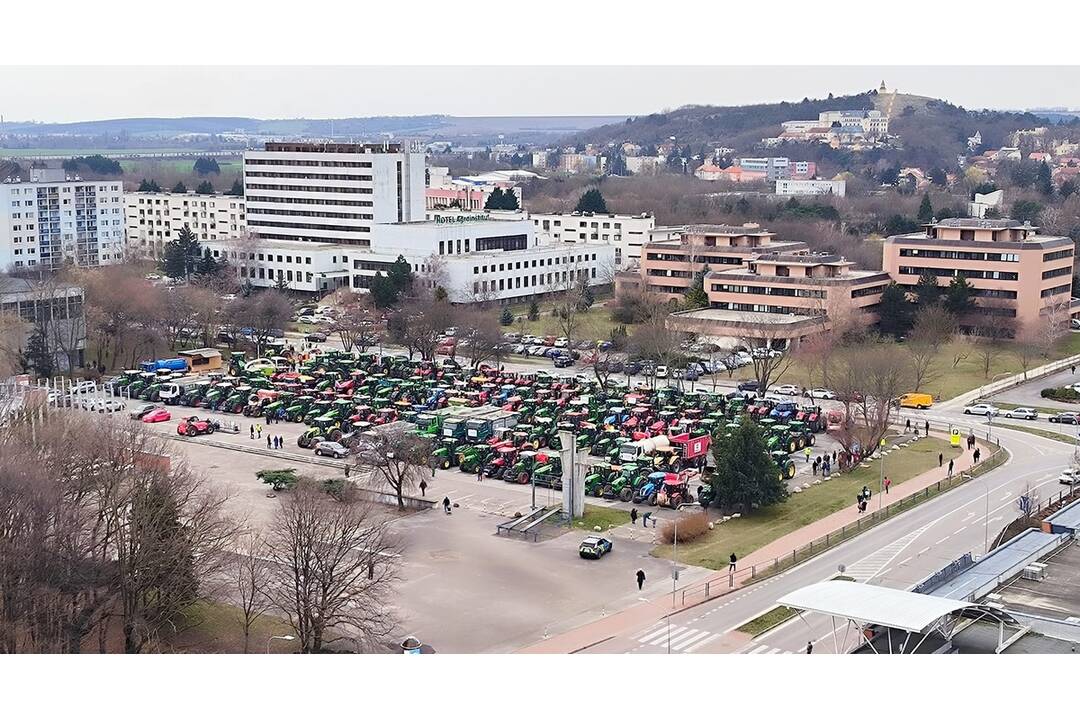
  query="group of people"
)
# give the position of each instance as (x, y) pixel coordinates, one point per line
(824, 463)
(908, 427)
(275, 442)
(863, 499)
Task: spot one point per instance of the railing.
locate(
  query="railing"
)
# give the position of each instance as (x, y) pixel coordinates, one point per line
(744, 576)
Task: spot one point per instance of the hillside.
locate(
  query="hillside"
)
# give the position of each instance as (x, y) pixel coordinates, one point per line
(931, 132)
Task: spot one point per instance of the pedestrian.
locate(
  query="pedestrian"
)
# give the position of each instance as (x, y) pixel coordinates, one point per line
(432, 467)
(862, 506)
(807, 453)
(907, 425)
(887, 483)
(940, 459)
(280, 442)
(645, 519)
(446, 504)
(815, 466)
(633, 516)
(346, 472)
(950, 467)
(926, 427)
(809, 647)
(479, 473)
(731, 562)
(834, 457)
(258, 429)
(975, 455)
(423, 488)
(252, 429)
(640, 578)
(268, 442)
(866, 492)
(1072, 369)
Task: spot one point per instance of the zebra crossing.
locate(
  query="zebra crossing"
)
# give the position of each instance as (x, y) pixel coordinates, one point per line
(683, 639)
(765, 650)
(869, 567)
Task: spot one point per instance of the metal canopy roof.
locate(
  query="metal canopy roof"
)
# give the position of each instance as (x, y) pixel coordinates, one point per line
(874, 605)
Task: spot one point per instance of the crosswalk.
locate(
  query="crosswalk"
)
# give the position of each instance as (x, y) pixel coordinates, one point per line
(683, 639)
(765, 650)
(871, 565)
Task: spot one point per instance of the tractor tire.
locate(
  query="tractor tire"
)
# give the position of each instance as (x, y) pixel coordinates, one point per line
(652, 499)
(812, 439)
(445, 464)
(800, 443)
(781, 476)
(336, 434)
(523, 479)
(626, 494)
(191, 431)
(676, 466)
(792, 446)
(209, 429)
(791, 471)
(598, 491)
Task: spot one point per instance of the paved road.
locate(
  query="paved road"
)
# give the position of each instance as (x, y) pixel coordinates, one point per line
(1028, 393)
(898, 553)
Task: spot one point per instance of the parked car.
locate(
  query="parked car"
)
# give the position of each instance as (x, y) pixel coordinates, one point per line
(1075, 323)
(985, 409)
(1069, 477)
(594, 547)
(820, 393)
(512, 337)
(530, 339)
(787, 390)
(562, 361)
(748, 385)
(661, 371)
(139, 411)
(1023, 413)
(157, 415)
(328, 448)
(1065, 418)
(561, 342)
(315, 337)
(632, 367)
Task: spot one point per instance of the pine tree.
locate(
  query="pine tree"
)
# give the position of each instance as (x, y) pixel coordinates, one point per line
(695, 294)
(534, 311)
(746, 475)
(1044, 181)
(237, 188)
(591, 201)
(926, 210)
(149, 186)
(958, 297)
(495, 200)
(510, 200)
(205, 188)
(382, 290)
(182, 255)
(894, 311)
(507, 317)
(927, 289)
(179, 187)
(400, 276)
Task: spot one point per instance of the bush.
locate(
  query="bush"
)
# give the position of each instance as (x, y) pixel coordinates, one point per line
(279, 479)
(691, 526)
(1062, 393)
(507, 317)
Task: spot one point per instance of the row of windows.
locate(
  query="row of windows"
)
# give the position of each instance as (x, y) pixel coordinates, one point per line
(268, 274)
(308, 201)
(309, 226)
(968, 274)
(311, 213)
(1057, 255)
(707, 259)
(769, 290)
(998, 294)
(519, 265)
(1057, 272)
(359, 242)
(863, 292)
(515, 283)
(960, 255)
(1060, 289)
(306, 163)
(310, 189)
(52, 190)
(184, 203)
(309, 176)
(777, 309)
(671, 273)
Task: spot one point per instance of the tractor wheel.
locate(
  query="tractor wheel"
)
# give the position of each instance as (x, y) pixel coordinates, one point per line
(781, 476)
(800, 443)
(791, 470)
(652, 499)
(626, 494)
(812, 440)
(598, 491)
(523, 478)
(209, 429)
(335, 434)
(446, 464)
(792, 446)
(191, 432)
(676, 466)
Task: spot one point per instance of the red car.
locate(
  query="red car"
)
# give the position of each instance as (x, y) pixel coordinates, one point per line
(192, 426)
(156, 416)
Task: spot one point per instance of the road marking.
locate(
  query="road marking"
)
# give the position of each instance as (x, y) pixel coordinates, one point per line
(773, 651)
(700, 643)
(652, 632)
(690, 640)
(759, 649)
(676, 633)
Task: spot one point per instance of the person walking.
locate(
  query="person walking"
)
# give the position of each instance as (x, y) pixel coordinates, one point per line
(950, 467)
(280, 442)
(907, 425)
(640, 578)
(479, 473)
(252, 429)
(731, 562)
(834, 457)
(975, 455)
(633, 516)
(807, 453)
(866, 492)
(940, 459)
(887, 483)
(258, 429)
(815, 465)
(346, 472)
(432, 467)
(1072, 369)
(423, 488)
(446, 504)
(926, 427)
(268, 443)
(809, 647)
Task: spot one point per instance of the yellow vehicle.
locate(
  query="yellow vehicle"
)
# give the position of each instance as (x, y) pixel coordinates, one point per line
(915, 400)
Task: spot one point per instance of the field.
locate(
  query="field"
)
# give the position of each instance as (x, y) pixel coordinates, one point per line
(746, 534)
(595, 324)
(218, 628)
(32, 152)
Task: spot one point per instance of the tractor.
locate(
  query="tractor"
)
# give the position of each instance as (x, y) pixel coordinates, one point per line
(785, 464)
(813, 416)
(499, 466)
(674, 490)
(622, 486)
(471, 458)
(802, 433)
(600, 474)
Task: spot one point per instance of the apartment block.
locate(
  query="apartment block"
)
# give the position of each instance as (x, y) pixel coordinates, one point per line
(811, 187)
(55, 219)
(154, 219)
(627, 233)
(332, 192)
(1018, 275)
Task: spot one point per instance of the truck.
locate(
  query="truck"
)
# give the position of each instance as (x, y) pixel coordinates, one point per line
(636, 450)
(173, 364)
(692, 451)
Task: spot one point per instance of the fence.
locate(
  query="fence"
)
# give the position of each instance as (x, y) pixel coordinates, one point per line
(760, 571)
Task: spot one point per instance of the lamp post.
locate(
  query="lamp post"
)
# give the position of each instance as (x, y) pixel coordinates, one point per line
(287, 638)
(674, 566)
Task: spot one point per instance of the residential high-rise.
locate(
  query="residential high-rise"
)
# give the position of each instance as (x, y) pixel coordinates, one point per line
(332, 192)
(55, 219)
(154, 219)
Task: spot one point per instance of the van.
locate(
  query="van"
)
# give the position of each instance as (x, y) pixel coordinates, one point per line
(915, 400)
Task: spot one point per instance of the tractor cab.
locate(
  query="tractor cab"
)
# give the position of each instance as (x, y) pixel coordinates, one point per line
(503, 460)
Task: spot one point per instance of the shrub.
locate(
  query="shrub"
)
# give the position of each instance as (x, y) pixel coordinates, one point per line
(279, 479)
(507, 317)
(692, 525)
(1062, 393)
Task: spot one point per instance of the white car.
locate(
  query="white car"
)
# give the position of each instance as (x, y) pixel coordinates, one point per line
(1069, 477)
(821, 394)
(1023, 413)
(981, 409)
(529, 339)
(562, 342)
(661, 371)
(787, 389)
(331, 449)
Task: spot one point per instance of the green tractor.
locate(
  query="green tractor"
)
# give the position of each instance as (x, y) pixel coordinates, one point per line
(470, 458)
(428, 425)
(300, 407)
(802, 433)
(317, 409)
(444, 453)
(787, 441)
(600, 475)
(238, 400)
(624, 484)
(152, 392)
(548, 471)
(326, 427)
(784, 463)
(277, 408)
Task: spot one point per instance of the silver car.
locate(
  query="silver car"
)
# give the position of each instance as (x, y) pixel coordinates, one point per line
(1023, 413)
(327, 448)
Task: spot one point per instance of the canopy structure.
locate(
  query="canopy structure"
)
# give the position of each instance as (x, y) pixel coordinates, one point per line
(878, 611)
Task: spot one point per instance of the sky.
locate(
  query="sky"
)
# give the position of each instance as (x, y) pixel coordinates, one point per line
(66, 94)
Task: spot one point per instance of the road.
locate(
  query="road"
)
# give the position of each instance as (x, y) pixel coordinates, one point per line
(899, 553)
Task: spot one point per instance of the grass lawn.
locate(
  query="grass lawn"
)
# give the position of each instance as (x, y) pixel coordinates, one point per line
(767, 621)
(78, 152)
(1049, 434)
(215, 627)
(746, 534)
(605, 517)
(595, 324)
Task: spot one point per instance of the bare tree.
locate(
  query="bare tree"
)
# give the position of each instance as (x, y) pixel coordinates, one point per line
(933, 326)
(763, 337)
(989, 342)
(356, 322)
(423, 323)
(813, 355)
(481, 336)
(395, 458)
(13, 332)
(655, 340)
(334, 565)
(251, 575)
(1053, 325)
(961, 346)
(263, 312)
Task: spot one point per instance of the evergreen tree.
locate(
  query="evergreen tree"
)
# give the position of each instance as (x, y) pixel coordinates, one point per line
(534, 311)
(149, 186)
(926, 210)
(179, 187)
(205, 188)
(400, 276)
(958, 297)
(440, 294)
(237, 188)
(1068, 188)
(510, 200)
(382, 290)
(1044, 182)
(894, 311)
(207, 265)
(182, 255)
(205, 166)
(695, 294)
(507, 317)
(927, 289)
(591, 201)
(495, 200)
(746, 475)
(38, 357)
(938, 176)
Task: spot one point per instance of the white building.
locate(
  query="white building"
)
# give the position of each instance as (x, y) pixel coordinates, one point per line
(626, 232)
(332, 192)
(295, 264)
(54, 219)
(154, 219)
(811, 187)
(983, 202)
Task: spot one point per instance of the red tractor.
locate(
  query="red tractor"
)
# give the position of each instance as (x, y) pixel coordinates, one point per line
(192, 426)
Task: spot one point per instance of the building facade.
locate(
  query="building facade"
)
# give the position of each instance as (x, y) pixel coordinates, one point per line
(293, 264)
(55, 311)
(627, 233)
(1019, 277)
(55, 219)
(332, 192)
(811, 187)
(154, 219)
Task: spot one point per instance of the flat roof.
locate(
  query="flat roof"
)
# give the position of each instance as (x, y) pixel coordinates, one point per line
(201, 352)
(262, 243)
(752, 229)
(1008, 558)
(1068, 516)
(1055, 596)
(873, 604)
(763, 318)
(852, 274)
(983, 224)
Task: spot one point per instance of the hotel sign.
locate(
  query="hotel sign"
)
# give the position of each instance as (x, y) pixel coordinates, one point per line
(454, 219)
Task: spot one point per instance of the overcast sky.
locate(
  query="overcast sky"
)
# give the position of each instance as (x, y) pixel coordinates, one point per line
(58, 94)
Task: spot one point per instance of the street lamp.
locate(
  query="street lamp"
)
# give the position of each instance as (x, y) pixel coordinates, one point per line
(674, 567)
(287, 638)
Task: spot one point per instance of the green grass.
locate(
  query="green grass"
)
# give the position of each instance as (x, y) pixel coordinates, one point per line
(218, 627)
(744, 535)
(779, 614)
(80, 152)
(1044, 410)
(594, 324)
(605, 517)
(1049, 434)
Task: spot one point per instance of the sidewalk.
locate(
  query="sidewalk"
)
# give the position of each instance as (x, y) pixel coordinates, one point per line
(657, 609)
